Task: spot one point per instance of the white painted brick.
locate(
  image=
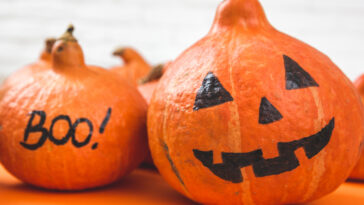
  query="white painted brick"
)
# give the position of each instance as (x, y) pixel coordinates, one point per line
(161, 29)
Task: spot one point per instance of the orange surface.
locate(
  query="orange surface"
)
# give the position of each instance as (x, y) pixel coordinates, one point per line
(143, 186)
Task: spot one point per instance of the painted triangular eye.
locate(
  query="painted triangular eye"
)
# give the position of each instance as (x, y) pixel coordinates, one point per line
(211, 93)
(267, 112)
(296, 77)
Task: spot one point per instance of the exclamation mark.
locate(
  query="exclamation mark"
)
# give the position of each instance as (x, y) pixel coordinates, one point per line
(103, 126)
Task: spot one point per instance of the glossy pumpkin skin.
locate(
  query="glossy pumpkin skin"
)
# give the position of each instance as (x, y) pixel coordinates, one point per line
(245, 53)
(134, 68)
(79, 91)
(358, 172)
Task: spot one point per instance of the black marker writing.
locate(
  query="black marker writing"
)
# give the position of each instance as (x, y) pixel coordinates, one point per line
(71, 134)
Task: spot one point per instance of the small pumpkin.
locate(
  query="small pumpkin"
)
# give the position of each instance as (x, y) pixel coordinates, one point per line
(134, 68)
(146, 88)
(73, 126)
(149, 82)
(249, 115)
(358, 172)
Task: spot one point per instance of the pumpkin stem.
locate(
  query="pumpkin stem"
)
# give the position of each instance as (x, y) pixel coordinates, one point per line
(67, 53)
(119, 51)
(68, 35)
(49, 42)
(128, 55)
(46, 53)
(247, 13)
(155, 74)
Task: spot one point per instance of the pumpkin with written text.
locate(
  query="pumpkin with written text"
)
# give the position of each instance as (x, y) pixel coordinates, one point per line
(358, 172)
(135, 67)
(249, 115)
(73, 126)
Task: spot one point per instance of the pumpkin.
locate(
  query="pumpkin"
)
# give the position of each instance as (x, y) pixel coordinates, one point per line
(358, 172)
(249, 115)
(149, 82)
(146, 88)
(73, 126)
(134, 68)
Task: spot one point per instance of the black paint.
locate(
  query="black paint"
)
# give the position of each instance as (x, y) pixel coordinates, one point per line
(211, 93)
(77, 143)
(173, 166)
(34, 129)
(229, 170)
(296, 76)
(71, 134)
(267, 112)
(105, 121)
(65, 139)
(94, 146)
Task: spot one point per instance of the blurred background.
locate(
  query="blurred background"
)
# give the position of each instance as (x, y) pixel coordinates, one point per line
(162, 29)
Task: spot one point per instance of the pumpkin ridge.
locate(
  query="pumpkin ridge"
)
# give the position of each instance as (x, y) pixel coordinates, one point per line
(168, 156)
(173, 166)
(318, 170)
(281, 51)
(234, 110)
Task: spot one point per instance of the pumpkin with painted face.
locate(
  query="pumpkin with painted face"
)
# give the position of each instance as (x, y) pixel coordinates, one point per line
(249, 115)
(358, 172)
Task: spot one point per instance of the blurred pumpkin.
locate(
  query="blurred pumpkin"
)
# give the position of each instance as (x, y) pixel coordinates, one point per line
(73, 126)
(249, 115)
(146, 88)
(148, 83)
(358, 172)
(134, 68)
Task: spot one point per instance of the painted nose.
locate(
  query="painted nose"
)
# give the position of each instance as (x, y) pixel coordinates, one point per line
(267, 112)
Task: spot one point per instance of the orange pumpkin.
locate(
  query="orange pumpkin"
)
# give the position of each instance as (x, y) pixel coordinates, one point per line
(73, 126)
(134, 68)
(249, 115)
(358, 172)
(149, 82)
(146, 88)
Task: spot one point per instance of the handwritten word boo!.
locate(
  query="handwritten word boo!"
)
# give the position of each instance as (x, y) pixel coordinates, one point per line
(71, 134)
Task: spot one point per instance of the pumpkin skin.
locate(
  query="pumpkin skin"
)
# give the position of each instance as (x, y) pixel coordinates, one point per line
(146, 88)
(207, 111)
(135, 67)
(86, 95)
(150, 82)
(358, 172)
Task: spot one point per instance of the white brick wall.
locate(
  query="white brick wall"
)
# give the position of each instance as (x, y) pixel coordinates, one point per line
(161, 29)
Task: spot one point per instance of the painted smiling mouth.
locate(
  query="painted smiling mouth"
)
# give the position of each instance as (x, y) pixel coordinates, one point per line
(229, 170)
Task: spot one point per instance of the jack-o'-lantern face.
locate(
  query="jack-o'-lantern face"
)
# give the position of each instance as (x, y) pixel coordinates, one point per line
(212, 93)
(248, 114)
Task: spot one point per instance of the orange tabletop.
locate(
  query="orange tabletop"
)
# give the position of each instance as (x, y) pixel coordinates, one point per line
(143, 186)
